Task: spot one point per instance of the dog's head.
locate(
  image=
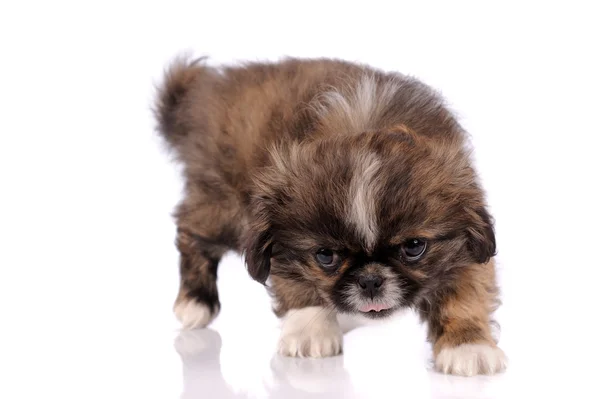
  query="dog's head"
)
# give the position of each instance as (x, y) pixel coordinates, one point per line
(370, 222)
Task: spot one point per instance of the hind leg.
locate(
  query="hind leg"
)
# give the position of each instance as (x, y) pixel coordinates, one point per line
(201, 241)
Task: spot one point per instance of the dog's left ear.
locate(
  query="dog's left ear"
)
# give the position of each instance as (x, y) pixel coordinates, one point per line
(481, 235)
(257, 250)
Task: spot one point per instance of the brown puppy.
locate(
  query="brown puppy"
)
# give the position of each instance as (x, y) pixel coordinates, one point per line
(346, 188)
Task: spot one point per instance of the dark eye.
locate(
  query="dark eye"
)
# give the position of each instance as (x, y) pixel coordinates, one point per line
(326, 257)
(413, 248)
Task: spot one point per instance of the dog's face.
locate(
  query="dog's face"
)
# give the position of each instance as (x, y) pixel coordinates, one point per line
(371, 223)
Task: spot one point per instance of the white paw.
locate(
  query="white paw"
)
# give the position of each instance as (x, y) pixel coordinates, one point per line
(310, 332)
(471, 359)
(192, 314)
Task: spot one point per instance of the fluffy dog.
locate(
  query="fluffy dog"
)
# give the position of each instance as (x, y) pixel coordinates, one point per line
(347, 189)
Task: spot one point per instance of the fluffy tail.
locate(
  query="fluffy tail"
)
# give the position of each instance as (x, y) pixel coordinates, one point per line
(169, 109)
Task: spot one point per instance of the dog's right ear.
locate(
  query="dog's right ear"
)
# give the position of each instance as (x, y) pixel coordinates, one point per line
(257, 250)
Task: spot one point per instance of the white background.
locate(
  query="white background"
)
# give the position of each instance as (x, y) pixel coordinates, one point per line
(88, 269)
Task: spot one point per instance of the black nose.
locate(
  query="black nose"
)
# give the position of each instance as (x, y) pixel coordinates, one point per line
(370, 284)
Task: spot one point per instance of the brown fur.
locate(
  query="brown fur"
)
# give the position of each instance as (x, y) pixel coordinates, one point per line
(271, 153)
(463, 316)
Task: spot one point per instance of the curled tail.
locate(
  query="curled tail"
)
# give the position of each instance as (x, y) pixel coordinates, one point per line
(170, 107)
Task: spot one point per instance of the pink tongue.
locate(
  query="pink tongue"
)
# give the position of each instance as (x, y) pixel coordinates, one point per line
(373, 306)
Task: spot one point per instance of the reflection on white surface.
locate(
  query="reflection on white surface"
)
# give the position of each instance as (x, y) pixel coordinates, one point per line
(380, 361)
(200, 352)
(320, 378)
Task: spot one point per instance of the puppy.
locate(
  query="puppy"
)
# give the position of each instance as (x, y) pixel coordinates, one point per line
(346, 189)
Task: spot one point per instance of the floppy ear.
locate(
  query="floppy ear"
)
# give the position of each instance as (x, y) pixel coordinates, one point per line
(257, 252)
(481, 236)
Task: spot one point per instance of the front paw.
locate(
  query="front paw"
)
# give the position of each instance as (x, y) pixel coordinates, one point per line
(194, 314)
(310, 332)
(471, 359)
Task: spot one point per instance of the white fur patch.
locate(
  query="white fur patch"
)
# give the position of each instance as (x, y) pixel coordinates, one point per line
(193, 314)
(471, 359)
(353, 109)
(310, 332)
(362, 193)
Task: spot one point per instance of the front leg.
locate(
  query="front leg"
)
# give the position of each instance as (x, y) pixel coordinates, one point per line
(459, 325)
(197, 303)
(308, 327)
